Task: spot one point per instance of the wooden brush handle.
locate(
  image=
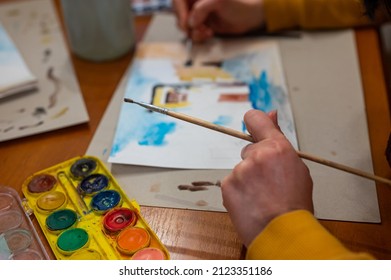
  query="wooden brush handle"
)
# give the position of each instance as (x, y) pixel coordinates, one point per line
(302, 155)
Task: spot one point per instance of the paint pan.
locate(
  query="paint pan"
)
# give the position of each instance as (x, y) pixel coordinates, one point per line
(18, 239)
(132, 239)
(28, 254)
(117, 219)
(93, 183)
(61, 220)
(71, 240)
(41, 183)
(5, 252)
(83, 167)
(51, 201)
(105, 201)
(149, 253)
(10, 220)
(17, 233)
(86, 254)
(6, 201)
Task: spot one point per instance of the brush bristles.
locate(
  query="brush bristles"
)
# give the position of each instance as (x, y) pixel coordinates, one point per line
(128, 100)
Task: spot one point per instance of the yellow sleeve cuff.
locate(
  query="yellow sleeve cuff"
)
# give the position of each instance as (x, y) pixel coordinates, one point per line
(298, 235)
(313, 14)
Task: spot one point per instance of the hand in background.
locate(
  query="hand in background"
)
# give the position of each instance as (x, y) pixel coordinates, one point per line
(270, 180)
(205, 18)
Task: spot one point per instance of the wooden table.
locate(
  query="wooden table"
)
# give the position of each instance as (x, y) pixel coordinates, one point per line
(191, 234)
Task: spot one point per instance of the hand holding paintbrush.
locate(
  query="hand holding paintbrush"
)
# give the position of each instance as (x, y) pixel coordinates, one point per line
(208, 18)
(194, 33)
(249, 138)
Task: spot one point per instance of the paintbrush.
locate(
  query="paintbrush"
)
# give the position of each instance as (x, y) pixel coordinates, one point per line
(189, 40)
(247, 137)
(189, 51)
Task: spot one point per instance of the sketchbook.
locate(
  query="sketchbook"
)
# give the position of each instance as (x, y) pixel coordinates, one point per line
(15, 75)
(57, 102)
(330, 122)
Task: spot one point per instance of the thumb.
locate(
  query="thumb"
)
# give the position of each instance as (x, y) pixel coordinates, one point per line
(261, 126)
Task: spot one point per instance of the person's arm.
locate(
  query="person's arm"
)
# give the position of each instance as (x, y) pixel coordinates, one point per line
(207, 18)
(204, 19)
(314, 14)
(298, 235)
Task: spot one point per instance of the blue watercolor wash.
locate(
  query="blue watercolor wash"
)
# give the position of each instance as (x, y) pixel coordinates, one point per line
(244, 128)
(128, 131)
(261, 89)
(9, 54)
(155, 135)
(5, 42)
(260, 93)
(223, 120)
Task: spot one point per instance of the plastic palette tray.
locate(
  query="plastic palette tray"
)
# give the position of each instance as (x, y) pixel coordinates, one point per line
(85, 214)
(18, 238)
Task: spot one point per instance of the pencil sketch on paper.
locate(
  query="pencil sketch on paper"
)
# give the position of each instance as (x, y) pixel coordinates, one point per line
(220, 87)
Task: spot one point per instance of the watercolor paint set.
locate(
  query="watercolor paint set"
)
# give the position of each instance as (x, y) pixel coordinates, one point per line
(84, 214)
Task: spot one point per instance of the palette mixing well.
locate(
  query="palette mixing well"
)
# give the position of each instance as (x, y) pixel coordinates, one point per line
(18, 237)
(85, 214)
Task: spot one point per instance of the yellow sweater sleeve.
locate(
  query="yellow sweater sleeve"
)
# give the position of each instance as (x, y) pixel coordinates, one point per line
(298, 235)
(313, 14)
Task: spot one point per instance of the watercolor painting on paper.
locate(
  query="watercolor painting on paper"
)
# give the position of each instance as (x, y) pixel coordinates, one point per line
(224, 82)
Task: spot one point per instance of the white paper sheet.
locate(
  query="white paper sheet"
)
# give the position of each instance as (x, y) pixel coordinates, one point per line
(57, 102)
(15, 75)
(244, 75)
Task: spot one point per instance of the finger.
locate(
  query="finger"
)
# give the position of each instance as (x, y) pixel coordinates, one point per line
(201, 34)
(245, 150)
(201, 11)
(274, 117)
(260, 125)
(181, 9)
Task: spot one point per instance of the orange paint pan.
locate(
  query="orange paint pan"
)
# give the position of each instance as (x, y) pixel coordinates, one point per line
(132, 239)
